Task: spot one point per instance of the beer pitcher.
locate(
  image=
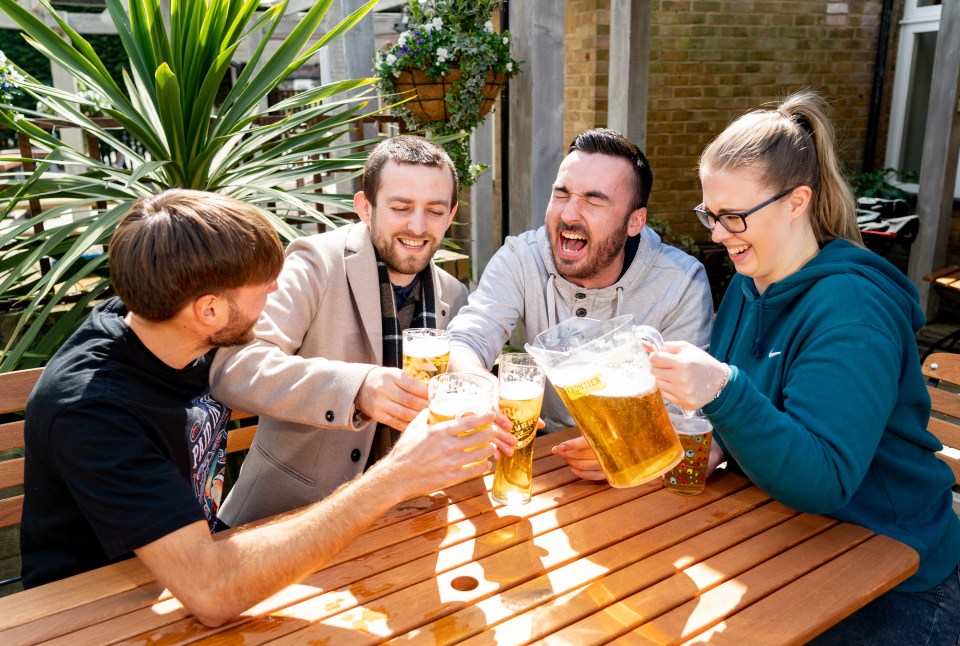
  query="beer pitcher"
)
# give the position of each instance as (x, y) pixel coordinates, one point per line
(601, 370)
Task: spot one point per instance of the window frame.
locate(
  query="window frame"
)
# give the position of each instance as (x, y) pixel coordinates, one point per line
(916, 20)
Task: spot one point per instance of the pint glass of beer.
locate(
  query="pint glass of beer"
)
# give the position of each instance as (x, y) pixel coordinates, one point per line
(426, 352)
(455, 394)
(521, 395)
(689, 477)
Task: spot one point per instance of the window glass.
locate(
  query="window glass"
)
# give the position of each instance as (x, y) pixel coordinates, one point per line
(918, 99)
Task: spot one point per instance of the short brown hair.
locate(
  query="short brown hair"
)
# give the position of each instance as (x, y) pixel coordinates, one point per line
(405, 149)
(181, 244)
(604, 141)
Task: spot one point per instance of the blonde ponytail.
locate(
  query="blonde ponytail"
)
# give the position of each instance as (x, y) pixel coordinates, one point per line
(793, 145)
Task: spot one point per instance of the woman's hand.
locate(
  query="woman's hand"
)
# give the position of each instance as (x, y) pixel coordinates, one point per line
(686, 375)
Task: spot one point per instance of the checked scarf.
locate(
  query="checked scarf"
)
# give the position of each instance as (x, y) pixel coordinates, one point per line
(417, 310)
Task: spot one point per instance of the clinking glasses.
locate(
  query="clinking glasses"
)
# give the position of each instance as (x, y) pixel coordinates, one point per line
(734, 222)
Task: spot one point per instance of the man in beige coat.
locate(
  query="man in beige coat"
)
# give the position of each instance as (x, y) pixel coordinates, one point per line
(317, 374)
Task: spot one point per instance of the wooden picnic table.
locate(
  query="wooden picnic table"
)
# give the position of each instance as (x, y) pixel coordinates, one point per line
(582, 563)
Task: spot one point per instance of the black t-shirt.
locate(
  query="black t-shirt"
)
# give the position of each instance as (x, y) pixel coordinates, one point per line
(121, 449)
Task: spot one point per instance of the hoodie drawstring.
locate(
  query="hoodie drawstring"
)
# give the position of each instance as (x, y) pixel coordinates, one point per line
(619, 301)
(551, 303)
(758, 336)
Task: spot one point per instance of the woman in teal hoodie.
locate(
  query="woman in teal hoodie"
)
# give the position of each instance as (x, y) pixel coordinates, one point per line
(813, 381)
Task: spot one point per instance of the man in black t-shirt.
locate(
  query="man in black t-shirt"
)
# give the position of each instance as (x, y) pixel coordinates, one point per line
(125, 446)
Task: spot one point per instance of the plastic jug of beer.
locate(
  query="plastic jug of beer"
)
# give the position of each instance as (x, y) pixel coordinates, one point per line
(601, 370)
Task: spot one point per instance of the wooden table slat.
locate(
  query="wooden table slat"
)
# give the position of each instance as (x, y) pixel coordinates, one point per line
(581, 563)
(618, 570)
(879, 560)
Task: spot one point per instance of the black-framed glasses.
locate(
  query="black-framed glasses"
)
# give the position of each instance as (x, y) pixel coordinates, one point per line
(734, 222)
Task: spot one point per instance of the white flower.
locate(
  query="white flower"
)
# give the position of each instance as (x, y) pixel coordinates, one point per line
(509, 66)
(403, 38)
(506, 41)
(427, 27)
(442, 54)
(396, 74)
(390, 59)
(488, 26)
(437, 23)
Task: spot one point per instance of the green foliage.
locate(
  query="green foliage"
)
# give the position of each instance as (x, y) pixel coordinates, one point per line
(876, 184)
(665, 231)
(443, 35)
(173, 131)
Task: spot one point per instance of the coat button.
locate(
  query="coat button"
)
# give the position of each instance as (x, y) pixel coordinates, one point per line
(355, 455)
(443, 312)
(581, 312)
(329, 415)
(580, 296)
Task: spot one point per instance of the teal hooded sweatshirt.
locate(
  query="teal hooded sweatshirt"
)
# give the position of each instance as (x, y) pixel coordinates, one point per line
(826, 408)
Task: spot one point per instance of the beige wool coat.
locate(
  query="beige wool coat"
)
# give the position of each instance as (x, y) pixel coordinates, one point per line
(317, 338)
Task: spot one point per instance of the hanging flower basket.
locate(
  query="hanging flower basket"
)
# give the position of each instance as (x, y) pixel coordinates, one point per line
(430, 106)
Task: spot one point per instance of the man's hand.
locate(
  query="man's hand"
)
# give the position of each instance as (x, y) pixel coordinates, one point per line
(580, 458)
(391, 397)
(431, 457)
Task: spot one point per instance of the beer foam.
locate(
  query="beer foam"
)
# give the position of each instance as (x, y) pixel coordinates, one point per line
(520, 390)
(453, 406)
(616, 383)
(426, 347)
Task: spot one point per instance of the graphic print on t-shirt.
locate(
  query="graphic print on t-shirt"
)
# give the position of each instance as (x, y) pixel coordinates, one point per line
(207, 442)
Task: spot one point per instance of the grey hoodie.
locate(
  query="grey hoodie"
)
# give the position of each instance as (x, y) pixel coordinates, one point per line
(663, 287)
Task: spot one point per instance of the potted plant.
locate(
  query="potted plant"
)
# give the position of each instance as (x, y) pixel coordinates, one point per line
(167, 122)
(455, 63)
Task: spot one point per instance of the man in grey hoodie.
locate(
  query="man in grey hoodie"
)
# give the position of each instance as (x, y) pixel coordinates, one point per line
(593, 258)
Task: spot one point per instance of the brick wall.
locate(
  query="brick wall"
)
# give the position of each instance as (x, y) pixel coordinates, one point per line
(713, 60)
(586, 50)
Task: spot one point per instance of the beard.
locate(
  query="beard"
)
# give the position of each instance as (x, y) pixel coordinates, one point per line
(600, 252)
(395, 258)
(237, 331)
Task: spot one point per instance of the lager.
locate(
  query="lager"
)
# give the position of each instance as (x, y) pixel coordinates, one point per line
(520, 401)
(454, 407)
(426, 353)
(455, 394)
(689, 477)
(626, 425)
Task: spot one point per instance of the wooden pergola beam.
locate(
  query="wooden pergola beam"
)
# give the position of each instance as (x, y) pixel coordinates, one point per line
(941, 148)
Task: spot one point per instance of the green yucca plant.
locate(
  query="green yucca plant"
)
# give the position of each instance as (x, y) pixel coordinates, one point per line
(166, 104)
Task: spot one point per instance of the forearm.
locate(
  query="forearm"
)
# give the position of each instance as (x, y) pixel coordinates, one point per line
(263, 380)
(216, 580)
(814, 454)
(228, 576)
(463, 359)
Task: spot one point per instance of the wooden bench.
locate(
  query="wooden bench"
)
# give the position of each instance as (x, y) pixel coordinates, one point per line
(946, 282)
(15, 389)
(942, 371)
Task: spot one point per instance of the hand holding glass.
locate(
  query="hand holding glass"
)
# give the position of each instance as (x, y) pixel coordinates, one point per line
(521, 396)
(458, 394)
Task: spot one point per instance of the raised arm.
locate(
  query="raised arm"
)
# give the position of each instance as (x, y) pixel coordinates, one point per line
(218, 579)
(270, 377)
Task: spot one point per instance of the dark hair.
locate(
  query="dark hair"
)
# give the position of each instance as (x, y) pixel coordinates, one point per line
(405, 149)
(181, 244)
(610, 142)
(792, 145)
